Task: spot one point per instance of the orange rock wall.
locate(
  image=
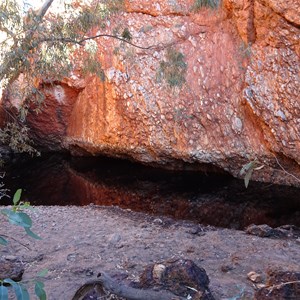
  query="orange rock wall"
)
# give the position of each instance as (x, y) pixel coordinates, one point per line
(240, 100)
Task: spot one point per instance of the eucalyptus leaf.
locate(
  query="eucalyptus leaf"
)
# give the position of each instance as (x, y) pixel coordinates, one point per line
(247, 177)
(32, 234)
(20, 219)
(21, 292)
(3, 241)
(39, 290)
(247, 167)
(17, 196)
(3, 292)
(43, 273)
(24, 205)
(10, 281)
(5, 211)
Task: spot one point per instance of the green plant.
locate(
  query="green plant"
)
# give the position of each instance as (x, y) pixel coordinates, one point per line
(17, 216)
(245, 50)
(248, 169)
(43, 46)
(20, 288)
(16, 137)
(198, 4)
(126, 35)
(173, 69)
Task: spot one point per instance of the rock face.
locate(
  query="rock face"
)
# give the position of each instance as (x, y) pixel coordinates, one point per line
(239, 101)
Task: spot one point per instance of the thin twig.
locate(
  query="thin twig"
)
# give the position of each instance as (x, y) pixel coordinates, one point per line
(80, 42)
(10, 237)
(284, 170)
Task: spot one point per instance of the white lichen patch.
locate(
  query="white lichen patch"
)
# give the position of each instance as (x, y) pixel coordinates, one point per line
(59, 94)
(110, 73)
(279, 113)
(237, 125)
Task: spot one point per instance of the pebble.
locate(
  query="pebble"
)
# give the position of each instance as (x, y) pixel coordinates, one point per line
(254, 277)
(115, 238)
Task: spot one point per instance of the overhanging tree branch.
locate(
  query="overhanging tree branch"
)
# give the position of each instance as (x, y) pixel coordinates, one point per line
(42, 11)
(80, 42)
(37, 18)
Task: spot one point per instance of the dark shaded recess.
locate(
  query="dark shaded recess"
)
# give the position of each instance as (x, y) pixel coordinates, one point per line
(203, 197)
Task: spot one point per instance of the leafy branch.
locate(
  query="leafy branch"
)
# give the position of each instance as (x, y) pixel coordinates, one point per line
(20, 289)
(254, 165)
(16, 216)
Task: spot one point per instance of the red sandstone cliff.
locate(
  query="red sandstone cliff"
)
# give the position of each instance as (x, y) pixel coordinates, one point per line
(240, 100)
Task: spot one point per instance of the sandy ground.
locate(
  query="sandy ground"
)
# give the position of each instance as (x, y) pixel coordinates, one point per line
(79, 242)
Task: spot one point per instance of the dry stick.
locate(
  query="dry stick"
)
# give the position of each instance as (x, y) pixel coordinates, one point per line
(278, 286)
(122, 290)
(284, 170)
(10, 237)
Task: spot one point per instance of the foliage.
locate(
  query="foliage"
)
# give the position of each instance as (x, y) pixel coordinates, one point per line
(248, 169)
(173, 69)
(21, 290)
(3, 191)
(16, 137)
(126, 34)
(245, 50)
(41, 45)
(198, 4)
(17, 216)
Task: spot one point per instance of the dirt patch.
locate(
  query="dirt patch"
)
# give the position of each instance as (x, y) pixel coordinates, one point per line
(79, 242)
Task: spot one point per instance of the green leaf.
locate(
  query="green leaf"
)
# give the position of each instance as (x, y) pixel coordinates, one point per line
(248, 177)
(21, 292)
(18, 218)
(3, 241)
(10, 281)
(25, 205)
(17, 196)
(248, 167)
(39, 290)
(32, 234)
(43, 273)
(3, 292)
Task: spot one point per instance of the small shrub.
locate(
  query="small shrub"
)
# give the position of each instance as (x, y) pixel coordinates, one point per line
(17, 216)
(16, 136)
(173, 70)
(245, 50)
(198, 4)
(126, 35)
